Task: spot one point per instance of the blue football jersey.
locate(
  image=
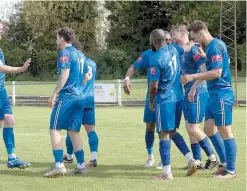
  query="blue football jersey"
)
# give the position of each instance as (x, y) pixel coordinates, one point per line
(217, 57)
(144, 62)
(2, 75)
(179, 49)
(89, 87)
(165, 68)
(71, 58)
(190, 64)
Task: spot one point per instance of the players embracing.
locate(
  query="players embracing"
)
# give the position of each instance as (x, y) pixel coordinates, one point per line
(163, 64)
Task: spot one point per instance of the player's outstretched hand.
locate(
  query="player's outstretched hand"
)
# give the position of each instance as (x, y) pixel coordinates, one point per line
(191, 95)
(186, 79)
(127, 87)
(52, 100)
(26, 65)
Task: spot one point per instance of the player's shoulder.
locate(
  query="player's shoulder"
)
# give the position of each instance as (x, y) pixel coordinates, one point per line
(174, 45)
(147, 52)
(64, 52)
(216, 43)
(90, 61)
(81, 54)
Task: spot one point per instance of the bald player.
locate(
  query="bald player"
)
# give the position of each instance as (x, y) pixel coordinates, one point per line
(143, 62)
(166, 89)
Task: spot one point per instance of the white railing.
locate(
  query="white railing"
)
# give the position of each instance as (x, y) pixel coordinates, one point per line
(118, 89)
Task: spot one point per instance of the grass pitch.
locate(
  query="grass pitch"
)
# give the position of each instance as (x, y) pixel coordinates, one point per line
(121, 157)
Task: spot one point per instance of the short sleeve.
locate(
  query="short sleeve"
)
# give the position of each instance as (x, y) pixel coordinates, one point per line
(142, 61)
(154, 70)
(64, 60)
(216, 58)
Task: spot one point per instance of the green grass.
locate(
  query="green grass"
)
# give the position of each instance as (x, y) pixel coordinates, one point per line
(138, 90)
(121, 156)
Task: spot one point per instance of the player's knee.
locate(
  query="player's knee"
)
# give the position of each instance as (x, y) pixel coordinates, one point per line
(209, 127)
(191, 129)
(225, 132)
(90, 128)
(164, 136)
(9, 121)
(173, 132)
(150, 127)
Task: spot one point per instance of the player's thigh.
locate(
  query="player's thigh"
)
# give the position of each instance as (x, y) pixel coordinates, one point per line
(149, 116)
(186, 108)
(3, 97)
(197, 109)
(178, 113)
(8, 117)
(209, 127)
(208, 109)
(88, 117)
(62, 115)
(222, 112)
(78, 111)
(165, 117)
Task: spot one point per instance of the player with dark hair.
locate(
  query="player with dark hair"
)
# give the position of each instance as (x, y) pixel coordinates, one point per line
(220, 103)
(67, 101)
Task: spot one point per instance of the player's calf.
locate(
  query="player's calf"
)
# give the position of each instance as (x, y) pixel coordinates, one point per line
(149, 139)
(165, 147)
(230, 151)
(79, 153)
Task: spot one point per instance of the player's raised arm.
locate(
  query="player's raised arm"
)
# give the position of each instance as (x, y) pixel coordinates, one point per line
(188, 46)
(216, 59)
(141, 62)
(199, 61)
(13, 70)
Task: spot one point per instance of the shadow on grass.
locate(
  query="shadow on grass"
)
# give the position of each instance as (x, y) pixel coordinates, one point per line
(102, 171)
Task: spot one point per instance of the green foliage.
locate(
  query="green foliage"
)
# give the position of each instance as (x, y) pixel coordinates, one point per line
(112, 64)
(32, 32)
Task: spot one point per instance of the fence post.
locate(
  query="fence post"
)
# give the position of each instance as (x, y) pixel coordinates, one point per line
(119, 95)
(13, 93)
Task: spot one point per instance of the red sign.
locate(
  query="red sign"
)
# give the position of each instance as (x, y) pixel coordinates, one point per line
(139, 59)
(196, 57)
(64, 59)
(152, 70)
(216, 58)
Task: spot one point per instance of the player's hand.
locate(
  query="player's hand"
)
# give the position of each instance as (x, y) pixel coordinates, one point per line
(191, 43)
(26, 65)
(191, 95)
(151, 106)
(187, 78)
(202, 53)
(127, 87)
(52, 100)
